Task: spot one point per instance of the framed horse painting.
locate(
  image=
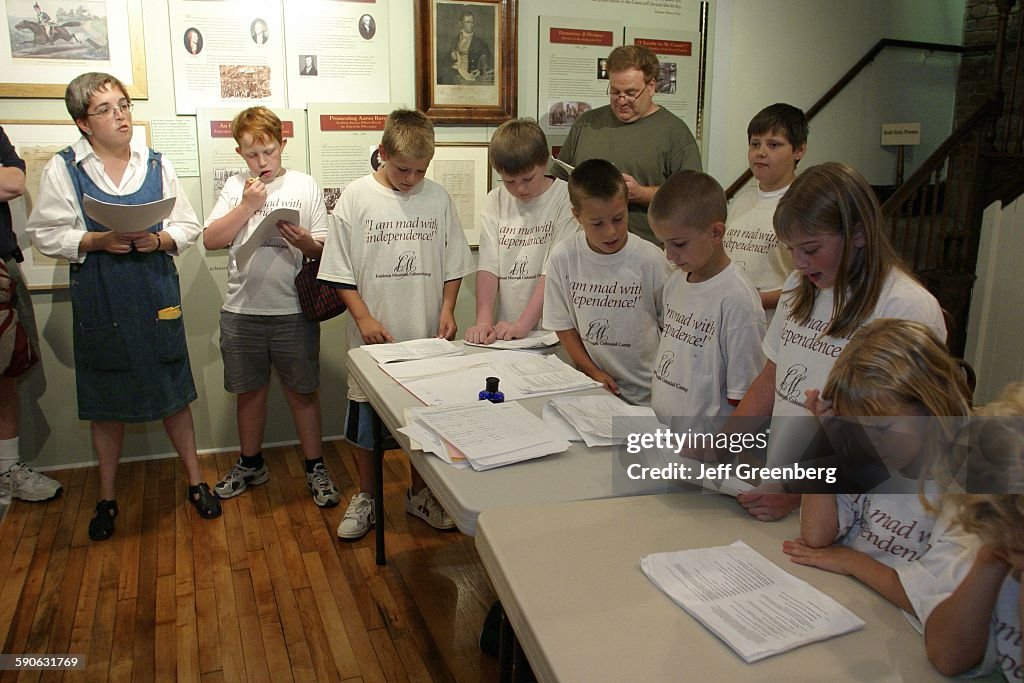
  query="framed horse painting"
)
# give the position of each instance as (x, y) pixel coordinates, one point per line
(48, 43)
(466, 60)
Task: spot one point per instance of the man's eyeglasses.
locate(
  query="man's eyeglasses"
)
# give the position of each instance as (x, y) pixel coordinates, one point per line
(105, 112)
(628, 96)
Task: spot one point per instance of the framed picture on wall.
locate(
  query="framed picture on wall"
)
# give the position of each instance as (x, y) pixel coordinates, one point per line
(46, 45)
(36, 142)
(466, 60)
(463, 169)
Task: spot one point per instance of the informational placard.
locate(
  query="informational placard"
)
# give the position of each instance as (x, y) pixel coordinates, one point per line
(901, 133)
(176, 140)
(343, 141)
(337, 50)
(218, 159)
(463, 170)
(227, 54)
(679, 60)
(573, 69)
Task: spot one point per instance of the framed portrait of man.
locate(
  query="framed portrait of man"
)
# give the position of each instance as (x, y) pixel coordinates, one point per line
(466, 66)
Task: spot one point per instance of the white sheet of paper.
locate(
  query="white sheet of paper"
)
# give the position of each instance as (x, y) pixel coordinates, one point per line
(414, 349)
(537, 339)
(127, 217)
(558, 424)
(758, 609)
(569, 168)
(267, 229)
(598, 415)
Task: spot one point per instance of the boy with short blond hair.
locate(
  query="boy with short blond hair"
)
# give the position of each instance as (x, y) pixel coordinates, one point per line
(710, 349)
(777, 140)
(603, 294)
(397, 251)
(262, 325)
(521, 222)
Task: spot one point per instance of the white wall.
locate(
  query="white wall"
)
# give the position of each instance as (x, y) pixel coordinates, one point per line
(810, 41)
(995, 327)
(794, 50)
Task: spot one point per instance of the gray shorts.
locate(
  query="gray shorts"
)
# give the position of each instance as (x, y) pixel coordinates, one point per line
(23, 303)
(251, 344)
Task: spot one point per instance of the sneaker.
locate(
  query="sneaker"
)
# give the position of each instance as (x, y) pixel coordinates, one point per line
(239, 479)
(425, 506)
(24, 483)
(325, 493)
(358, 518)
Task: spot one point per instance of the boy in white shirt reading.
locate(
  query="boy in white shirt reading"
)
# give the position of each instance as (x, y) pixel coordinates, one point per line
(261, 323)
(397, 250)
(777, 140)
(710, 348)
(522, 221)
(603, 289)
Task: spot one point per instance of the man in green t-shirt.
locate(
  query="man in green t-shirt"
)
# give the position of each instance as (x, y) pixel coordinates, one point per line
(644, 141)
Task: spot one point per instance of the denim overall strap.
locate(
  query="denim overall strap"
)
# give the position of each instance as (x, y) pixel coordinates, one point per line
(151, 190)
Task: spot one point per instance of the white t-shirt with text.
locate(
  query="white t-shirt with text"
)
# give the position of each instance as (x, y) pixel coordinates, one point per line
(398, 249)
(267, 285)
(516, 239)
(710, 349)
(803, 356)
(614, 302)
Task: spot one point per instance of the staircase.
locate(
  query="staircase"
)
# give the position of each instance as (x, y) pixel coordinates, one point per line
(934, 218)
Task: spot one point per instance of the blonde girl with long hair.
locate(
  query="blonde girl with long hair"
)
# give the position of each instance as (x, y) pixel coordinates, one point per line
(896, 383)
(976, 628)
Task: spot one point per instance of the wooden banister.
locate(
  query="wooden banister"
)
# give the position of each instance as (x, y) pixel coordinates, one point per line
(845, 79)
(937, 158)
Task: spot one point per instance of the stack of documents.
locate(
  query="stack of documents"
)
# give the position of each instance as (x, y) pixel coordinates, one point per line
(486, 434)
(599, 420)
(455, 381)
(751, 604)
(535, 341)
(414, 349)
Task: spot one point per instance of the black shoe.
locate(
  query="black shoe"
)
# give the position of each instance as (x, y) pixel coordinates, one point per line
(101, 527)
(205, 503)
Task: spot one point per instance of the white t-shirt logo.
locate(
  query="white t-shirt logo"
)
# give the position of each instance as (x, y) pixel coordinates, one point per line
(406, 263)
(519, 266)
(664, 364)
(597, 332)
(789, 387)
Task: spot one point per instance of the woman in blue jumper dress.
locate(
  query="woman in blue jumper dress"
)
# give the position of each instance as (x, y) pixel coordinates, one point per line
(131, 361)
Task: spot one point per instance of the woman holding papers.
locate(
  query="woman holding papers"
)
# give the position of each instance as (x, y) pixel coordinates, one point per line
(131, 360)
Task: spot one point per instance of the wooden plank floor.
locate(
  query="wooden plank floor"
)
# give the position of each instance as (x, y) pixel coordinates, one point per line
(264, 593)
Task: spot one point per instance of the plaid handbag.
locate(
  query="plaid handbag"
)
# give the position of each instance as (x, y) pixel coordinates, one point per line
(319, 301)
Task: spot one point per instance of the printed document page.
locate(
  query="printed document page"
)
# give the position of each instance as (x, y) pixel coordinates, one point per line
(414, 349)
(754, 606)
(266, 230)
